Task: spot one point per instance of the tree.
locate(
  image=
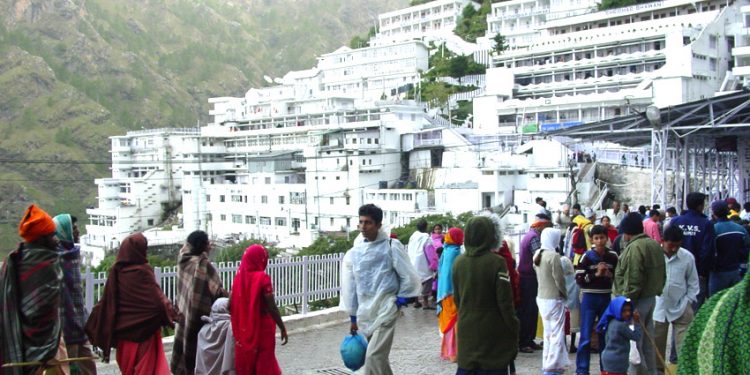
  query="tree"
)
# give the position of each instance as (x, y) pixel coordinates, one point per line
(500, 43)
(235, 252)
(329, 245)
(459, 65)
(436, 93)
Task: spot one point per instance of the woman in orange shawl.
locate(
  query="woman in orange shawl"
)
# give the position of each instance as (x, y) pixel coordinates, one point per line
(447, 313)
(255, 316)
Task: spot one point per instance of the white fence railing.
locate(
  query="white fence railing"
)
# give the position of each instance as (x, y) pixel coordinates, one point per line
(296, 281)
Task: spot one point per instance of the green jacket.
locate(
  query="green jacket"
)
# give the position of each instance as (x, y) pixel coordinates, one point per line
(487, 331)
(641, 270)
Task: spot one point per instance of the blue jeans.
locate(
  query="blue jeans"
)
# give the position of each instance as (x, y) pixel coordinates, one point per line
(718, 281)
(593, 306)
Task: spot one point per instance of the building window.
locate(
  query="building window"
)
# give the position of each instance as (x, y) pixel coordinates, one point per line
(248, 218)
(208, 198)
(252, 220)
(237, 198)
(150, 222)
(264, 199)
(281, 199)
(280, 222)
(712, 41)
(264, 220)
(268, 180)
(348, 201)
(223, 217)
(237, 219)
(331, 199)
(222, 198)
(331, 221)
(295, 224)
(712, 64)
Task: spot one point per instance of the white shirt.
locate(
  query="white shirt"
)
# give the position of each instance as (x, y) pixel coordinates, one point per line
(418, 258)
(372, 276)
(680, 288)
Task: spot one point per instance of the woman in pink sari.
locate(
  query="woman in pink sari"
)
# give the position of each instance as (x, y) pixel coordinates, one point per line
(255, 316)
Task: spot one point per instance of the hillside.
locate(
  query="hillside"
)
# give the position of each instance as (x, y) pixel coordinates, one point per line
(74, 72)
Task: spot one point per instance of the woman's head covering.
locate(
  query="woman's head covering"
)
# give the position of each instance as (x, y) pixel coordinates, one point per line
(480, 236)
(455, 236)
(550, 239)
(215, 348)
(255, 259)
(133, 306)
(64, 227)
(218, 309)
(541, 221)
(614, 311)
(496, 221)
(250, 284)
(133, 250)
(36, 223)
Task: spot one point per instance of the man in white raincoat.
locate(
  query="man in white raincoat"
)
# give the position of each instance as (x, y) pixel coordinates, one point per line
(377, 273)
(419, 259)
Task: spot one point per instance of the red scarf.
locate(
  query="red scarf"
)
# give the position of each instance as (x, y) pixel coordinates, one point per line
(515, 281)
(246, 303)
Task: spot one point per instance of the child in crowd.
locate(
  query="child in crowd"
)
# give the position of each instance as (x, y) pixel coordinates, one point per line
(594, 275)
(615, 324)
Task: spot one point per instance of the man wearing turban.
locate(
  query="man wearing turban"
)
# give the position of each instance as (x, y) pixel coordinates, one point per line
(30, 295)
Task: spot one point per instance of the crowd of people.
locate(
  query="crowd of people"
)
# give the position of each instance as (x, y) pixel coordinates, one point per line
(44, 321)
(625, 277)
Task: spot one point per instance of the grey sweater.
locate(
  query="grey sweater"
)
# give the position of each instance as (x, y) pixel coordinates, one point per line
(616, 354)
(550, 276)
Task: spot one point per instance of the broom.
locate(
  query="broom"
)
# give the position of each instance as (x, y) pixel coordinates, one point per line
(667, 370)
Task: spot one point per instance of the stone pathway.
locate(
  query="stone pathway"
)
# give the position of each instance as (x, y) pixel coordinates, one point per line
(415, 351)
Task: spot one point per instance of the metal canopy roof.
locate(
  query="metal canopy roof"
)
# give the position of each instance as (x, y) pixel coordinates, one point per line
(720, 116)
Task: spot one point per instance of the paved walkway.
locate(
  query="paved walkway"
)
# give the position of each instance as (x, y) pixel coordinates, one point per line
(415, 351)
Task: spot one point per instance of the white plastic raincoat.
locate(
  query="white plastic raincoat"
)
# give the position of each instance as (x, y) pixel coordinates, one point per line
(418, 258)
(373, 275)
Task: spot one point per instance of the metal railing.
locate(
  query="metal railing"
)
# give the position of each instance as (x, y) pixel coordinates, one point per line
(296, 281)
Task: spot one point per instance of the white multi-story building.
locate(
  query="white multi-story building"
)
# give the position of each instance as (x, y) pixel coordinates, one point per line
(432, 19)
(604, 64)
(521, 22)
(146, 166)
(291, 180)
(741, 52)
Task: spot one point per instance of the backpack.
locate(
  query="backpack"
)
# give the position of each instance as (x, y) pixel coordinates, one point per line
(578, 241)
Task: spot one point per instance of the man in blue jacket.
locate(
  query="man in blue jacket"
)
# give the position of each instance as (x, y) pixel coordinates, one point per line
(732, 244)
(698, 238)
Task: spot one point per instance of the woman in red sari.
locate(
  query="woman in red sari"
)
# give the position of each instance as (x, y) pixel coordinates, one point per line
(255, 316)
(131, 313)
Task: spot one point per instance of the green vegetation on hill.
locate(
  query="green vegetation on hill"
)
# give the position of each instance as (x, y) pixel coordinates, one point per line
(360, 41)
(419, 2)
(473, 23)
(74, 73)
